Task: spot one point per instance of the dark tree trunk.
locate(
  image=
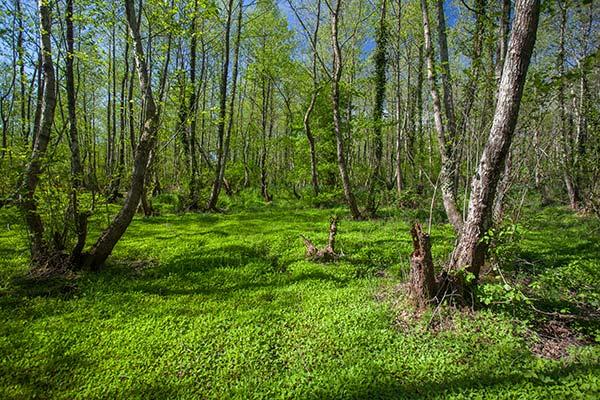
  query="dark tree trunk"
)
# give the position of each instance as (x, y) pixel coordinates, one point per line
(80, 220)
(191, 137)
(565, 121)
(43, 130)
(220, 168)
(116, 182)
(470, 251)
(380, 78)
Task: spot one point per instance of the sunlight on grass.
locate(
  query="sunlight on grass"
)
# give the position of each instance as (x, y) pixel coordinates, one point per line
(224, 306)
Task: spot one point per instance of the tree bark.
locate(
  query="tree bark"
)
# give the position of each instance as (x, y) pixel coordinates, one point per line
(445, 139)
(380, 78)
(421, 284)
(565, 121)
(220, 164)
(192, 114)
(470, 251)
(220, 168)
(80, 220)
(109, 238)
(43, 130)
(335, 99)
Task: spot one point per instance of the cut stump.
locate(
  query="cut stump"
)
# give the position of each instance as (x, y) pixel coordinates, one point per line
(422, 284)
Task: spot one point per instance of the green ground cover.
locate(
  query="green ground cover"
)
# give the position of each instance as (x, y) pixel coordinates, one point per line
(225, 306)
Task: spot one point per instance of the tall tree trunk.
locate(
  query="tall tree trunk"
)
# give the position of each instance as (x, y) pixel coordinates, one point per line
(335, 99)
(76, 168)
(445, 139)
(314, 175)
(380, 70)
(470, 250)
(191, 137)
(109, 238)
(266, 100)
(399, 125)
(22, 76)
(565, 121)
(43, 131)
(216, 189)
(116, 182)
(220, 169)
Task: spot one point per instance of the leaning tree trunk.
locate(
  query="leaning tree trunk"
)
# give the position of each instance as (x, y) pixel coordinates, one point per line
(109, 238)
(470, 251)
(445, 140)
(42, 137)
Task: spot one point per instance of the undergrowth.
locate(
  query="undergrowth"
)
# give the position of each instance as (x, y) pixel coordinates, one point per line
(225, 306)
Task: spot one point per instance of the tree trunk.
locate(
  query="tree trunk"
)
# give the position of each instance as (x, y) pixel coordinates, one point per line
(216, 189)
(469, 252)
(191, 112)
(220, 169)
(43, 131)
(445, 140)
(565, 123)
(314, 176)
(503, 30)
(109, 238)
(80, 220)
(380, 78)
(421, 284)
(335, 98)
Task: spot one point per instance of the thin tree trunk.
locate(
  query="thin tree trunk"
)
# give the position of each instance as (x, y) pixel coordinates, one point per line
(109, 238)
(335, 99)
(191, 109)
(503, 30)
(43, 130)
(221, 162)
(444, 138)
(76, 168)
(564, 119)
(380, 78)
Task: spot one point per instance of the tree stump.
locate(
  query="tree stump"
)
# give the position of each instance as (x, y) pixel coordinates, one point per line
(422, 283)
(327, 253)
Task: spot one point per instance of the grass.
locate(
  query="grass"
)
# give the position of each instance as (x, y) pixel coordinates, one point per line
(225, 306)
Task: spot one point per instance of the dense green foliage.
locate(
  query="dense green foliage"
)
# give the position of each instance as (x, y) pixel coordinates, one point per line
(224, 306)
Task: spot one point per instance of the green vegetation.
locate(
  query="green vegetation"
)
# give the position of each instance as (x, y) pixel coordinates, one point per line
(225, 306)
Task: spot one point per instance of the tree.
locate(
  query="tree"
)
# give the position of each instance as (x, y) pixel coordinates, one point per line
(380, 80)
(40, 251)
(446, 134)
(334, 9)
(111, 235)
(469, 253)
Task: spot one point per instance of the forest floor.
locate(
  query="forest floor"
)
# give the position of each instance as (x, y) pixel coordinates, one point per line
(225, 306)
